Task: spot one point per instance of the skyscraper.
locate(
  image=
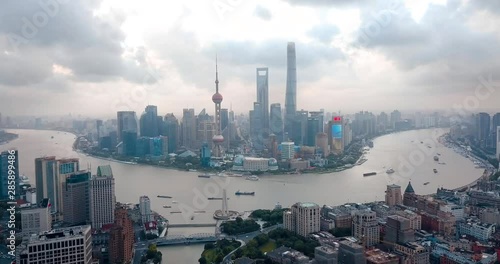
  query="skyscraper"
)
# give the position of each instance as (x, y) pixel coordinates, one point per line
(312, 130)
(291, 88)
(172, 132)
(188, 128)
(4, 174)
(127, 121)
(76, 198)
(217, 139)
(276, 122)
(398, 230)
(498, 142)
(149, 122)
(145, 208)
(51, 175)
(263, 95)
(121, 239)
(482, 128)
(302, 219)
(102, 197)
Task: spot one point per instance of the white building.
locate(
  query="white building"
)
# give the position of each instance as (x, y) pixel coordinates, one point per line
(242, 163)
(145, 208)
(473, 227)
(31, 196)
(71, 245)
(102, 197)
(287, 150)
(302, 218)
(456, 210)
(36, 219)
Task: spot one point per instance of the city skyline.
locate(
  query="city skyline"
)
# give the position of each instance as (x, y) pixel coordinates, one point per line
(415, 54)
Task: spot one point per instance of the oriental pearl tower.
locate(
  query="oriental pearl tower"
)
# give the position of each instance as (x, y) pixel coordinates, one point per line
(218, 139)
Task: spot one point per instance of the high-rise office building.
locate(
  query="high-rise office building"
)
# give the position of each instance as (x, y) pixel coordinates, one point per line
(395, 117)
(263, 95)
(76, 198)
(51, 175)
(121, 238)
(336, 134)
(287, 150)
(483, 128)
(69, 245)
(302, 219)
(36, 219)
(365, 227)
(276, 122)
(126, 121)
(172, 132)
(398, 230)
(5, 161)
(320, 115)
(393, 195)
(145, 208)
(382, 122)
(322, 144)
(149, 123)
(188, 128)
(312, 130)
(351, 253)
(291, 88)
(102, 197)
(129, 143)
(257, 132)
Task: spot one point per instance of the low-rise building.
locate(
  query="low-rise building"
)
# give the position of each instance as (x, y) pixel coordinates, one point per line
(475, 228)
(36, 219)
(287, 255)
(377, 256)
(326, 255)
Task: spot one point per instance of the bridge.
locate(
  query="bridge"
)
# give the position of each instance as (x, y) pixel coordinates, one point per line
(185, 240)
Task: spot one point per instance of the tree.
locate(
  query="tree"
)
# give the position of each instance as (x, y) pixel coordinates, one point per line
(202, 260)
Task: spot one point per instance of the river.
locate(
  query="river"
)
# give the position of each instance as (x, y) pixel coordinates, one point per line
(398, 150)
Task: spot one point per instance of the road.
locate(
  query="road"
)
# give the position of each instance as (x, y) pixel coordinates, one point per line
(227, 258)
(245, 238)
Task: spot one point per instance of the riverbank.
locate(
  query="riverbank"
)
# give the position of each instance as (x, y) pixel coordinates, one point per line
(6, 137)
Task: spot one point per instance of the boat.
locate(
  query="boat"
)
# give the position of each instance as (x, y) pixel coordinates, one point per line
(253, 178)
(370, 144)
(192, 217)
(436, 158)
(204, 176)
(174, 202)
(244, 193)
(389, 171)
(167, 206)
(164, 196)
(435, 171)
(421, 142)
(191, 170)
(369, 174)
(176, 212)
(438, 154)
(200, 212)
(425, 183)
(215, 198)
(52, 137)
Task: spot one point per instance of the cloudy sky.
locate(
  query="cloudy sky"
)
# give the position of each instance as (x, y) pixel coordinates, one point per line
(96, 57)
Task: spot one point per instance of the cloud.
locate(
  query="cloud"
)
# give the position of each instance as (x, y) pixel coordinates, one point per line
(322, 3)
(263, 13)
(324, 32)
(67, 34)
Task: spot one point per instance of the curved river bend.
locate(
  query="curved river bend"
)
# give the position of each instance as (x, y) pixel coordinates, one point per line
(403, 151)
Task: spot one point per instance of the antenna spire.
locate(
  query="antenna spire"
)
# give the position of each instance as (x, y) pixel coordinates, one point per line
(216, 75)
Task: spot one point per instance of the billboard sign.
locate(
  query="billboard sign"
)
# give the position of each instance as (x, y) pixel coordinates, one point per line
(337, 131)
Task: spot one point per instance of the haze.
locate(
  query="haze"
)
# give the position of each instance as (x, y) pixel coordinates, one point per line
(98, 57)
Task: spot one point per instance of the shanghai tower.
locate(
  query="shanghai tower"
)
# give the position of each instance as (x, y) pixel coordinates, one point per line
(291, 88)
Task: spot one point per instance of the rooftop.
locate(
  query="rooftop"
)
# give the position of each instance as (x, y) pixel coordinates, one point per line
(308, 205)
(59, 234)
